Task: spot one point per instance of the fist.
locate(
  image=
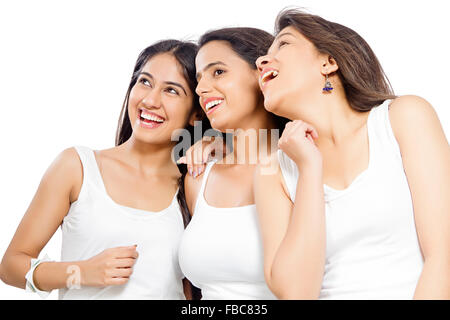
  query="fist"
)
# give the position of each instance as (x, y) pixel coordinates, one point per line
(111, 267)
(297, 141)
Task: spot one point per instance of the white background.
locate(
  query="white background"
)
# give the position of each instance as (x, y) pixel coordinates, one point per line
(65, 67)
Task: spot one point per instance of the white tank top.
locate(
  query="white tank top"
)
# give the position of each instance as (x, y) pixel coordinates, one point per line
(372, 249)
(221, 251)
(95, 223)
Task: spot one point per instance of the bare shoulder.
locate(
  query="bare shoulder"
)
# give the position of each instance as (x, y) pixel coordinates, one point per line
(67, 171)
(268, 167)
(67, 162)
(410, 105)
(268, 175)
(412, 114)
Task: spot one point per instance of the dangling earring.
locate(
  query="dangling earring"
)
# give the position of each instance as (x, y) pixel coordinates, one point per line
(327, 87)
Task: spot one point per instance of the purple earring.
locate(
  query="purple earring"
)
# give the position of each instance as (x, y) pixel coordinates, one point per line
(327, 87)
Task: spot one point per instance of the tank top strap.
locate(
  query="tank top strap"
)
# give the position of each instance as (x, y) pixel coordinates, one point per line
(381, 136)
(200, 196)
(91, 172)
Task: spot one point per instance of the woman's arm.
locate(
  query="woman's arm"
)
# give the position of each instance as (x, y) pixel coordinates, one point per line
(293, 233)
(426, 161)
(45, 213)
(59, 187)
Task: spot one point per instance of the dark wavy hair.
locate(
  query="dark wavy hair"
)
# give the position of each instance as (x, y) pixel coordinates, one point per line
(363, 79)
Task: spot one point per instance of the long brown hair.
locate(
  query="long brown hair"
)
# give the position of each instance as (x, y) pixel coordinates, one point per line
(362, 77)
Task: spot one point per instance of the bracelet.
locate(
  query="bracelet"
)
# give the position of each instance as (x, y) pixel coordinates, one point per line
(30, 286)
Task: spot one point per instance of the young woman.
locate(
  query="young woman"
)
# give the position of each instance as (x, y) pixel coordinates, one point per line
(385, 163)
(221, 250)
(113, 203)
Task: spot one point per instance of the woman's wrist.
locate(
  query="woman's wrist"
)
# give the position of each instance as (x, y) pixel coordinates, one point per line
(313, 168)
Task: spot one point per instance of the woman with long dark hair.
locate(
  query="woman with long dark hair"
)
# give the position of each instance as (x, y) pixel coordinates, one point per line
(113, 204)
(384, 168)
(221, 249)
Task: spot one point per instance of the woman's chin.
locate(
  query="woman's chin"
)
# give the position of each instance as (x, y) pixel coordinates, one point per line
(151, 137)
(270, 105)
(219, 124)
(276, 106)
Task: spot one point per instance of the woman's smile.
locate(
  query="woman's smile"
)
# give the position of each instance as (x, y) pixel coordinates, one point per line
(149, 120)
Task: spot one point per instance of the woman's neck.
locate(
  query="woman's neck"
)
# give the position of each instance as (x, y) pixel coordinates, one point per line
(150, 159)
(332, 117)
(253, 140)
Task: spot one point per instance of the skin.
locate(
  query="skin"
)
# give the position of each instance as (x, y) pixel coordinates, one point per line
(299, 137)
(128, 171)
(229, 185)
(341, 137)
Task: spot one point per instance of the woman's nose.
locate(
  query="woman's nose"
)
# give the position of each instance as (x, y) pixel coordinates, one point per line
(261, 62)
(202, 87)
(152, 99)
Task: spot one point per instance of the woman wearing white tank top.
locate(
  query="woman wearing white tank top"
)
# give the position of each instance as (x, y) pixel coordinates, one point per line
(366, 175)
(221, 249)
(115, 203)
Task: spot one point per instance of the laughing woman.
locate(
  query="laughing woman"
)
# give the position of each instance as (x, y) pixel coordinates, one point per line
(386, 173)
(221, 250)
(113, 203)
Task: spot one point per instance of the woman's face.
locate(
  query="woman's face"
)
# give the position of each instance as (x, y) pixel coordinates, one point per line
(160, 101)
(291, 73)
(227, 86)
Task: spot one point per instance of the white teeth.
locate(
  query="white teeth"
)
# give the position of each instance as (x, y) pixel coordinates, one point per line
(211, 104)
(266, 75)
(151, 117)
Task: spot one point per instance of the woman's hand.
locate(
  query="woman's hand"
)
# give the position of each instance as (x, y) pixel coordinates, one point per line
(113, 266)
(197, 155)
(297, 141)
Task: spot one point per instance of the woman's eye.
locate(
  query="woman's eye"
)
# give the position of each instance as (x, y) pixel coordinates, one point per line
(282, 43)
(172, 90)
(145, 82)
(218, 72)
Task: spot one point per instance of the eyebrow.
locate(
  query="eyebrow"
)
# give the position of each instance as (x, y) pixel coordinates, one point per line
(166, 82)
(209, 65)
(283, 34)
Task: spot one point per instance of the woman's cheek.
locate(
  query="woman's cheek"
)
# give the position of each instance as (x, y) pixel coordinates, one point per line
(178, 116)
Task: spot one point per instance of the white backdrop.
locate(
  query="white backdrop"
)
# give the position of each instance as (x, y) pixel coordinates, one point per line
(65, 67)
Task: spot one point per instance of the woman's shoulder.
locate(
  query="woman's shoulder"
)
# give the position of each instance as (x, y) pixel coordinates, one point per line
(65, 172)
(414, 121)
(409, 104)
(68, 159)
(411, 112)
(271, 173)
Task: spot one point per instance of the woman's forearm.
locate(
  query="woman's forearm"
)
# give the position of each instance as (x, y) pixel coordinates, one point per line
(297, 269)
(434, 281)
(47, 276)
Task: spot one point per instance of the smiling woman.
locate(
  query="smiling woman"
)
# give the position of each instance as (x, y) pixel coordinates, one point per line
(117, 208)
(355, 157)
(221, 249)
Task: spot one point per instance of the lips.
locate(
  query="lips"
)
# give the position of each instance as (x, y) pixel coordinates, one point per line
(211, 104)
(266, 75)
(150, 119)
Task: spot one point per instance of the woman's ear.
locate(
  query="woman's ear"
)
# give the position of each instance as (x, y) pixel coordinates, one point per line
(329, 65)
(196, 115)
